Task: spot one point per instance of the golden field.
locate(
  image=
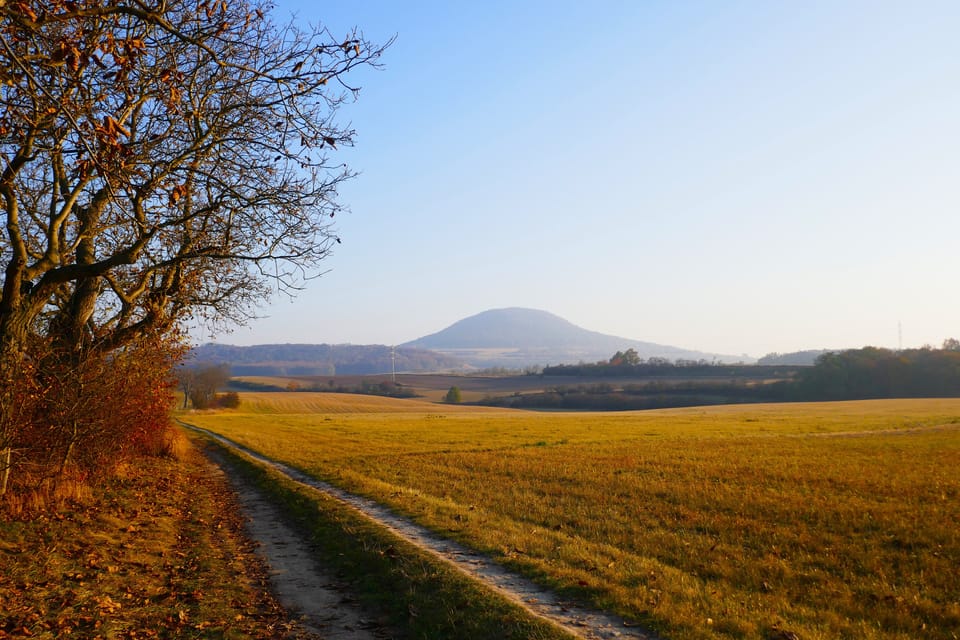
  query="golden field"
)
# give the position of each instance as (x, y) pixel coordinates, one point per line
(826, 520)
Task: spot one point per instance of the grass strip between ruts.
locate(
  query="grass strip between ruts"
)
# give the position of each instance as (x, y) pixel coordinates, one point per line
(416, 594)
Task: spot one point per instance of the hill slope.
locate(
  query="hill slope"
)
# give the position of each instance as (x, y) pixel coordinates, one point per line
(520, 337)
(321, 359)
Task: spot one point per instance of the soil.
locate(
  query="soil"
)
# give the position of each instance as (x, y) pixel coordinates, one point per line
(314, 598)
(302, 587)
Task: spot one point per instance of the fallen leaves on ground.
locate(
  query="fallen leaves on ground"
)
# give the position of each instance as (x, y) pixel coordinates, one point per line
(158, 553)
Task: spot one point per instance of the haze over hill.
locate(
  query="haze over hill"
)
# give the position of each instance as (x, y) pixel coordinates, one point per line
(321, 359)
(519, 337)
(512, 338)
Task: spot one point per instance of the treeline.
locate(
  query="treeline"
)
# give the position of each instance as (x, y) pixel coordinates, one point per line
(882, 373)
(855, 374)
(798, 358)
(629, 364)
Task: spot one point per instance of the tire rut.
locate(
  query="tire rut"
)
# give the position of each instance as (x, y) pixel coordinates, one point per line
(318, 602)
(583, 622)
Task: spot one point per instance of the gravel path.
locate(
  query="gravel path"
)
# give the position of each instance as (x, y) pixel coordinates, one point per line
(585, 623)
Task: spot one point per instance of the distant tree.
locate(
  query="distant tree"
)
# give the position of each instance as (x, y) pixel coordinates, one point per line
(206, 382)
(951, 344)
(881, 373)
(453, 396)
(629, 358)
(185, 378)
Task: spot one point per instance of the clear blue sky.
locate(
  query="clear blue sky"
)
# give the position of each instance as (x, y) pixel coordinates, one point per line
(737, 177)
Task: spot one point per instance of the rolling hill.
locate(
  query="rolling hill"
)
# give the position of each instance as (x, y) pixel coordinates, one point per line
(519, 337)
(321, 359)
(513, 338)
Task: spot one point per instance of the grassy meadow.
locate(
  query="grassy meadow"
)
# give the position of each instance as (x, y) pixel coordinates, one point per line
(832, 520)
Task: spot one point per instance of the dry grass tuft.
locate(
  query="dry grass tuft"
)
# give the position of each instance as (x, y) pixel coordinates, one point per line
(178, 446)
(46, 495)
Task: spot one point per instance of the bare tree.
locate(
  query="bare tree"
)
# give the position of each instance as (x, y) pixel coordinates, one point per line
(160, 160)
(201, 383)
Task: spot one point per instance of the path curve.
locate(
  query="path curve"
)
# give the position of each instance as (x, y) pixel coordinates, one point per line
(585, 623)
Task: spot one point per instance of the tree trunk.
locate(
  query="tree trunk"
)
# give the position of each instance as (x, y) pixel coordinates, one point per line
(7, 456)
(66, 454)
(9, 366)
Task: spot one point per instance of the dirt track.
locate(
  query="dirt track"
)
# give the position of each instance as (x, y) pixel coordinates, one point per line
(292, 566)
(324, 607)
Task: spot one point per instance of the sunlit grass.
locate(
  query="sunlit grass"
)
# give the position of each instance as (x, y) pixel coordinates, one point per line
(268, 402)
(406, 587)
(828, 520)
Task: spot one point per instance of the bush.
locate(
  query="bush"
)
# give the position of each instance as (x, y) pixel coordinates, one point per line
(85, 412)
(229, 400)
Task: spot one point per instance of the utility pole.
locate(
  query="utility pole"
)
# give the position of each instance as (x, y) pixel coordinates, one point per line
(393, 363)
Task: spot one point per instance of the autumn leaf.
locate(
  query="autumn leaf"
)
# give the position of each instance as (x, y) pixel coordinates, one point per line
(178, 192)
(111, 127)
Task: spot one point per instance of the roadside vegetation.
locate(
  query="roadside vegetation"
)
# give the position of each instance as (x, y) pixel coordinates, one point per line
(157, 551)
(820, 520)
(74, 417)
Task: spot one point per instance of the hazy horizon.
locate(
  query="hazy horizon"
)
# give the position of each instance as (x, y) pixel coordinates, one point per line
(739, 178)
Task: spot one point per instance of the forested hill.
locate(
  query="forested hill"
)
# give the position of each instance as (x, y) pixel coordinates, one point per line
(320, 359)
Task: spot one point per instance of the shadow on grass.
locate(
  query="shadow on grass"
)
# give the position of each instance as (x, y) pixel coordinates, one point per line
(411, 591)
